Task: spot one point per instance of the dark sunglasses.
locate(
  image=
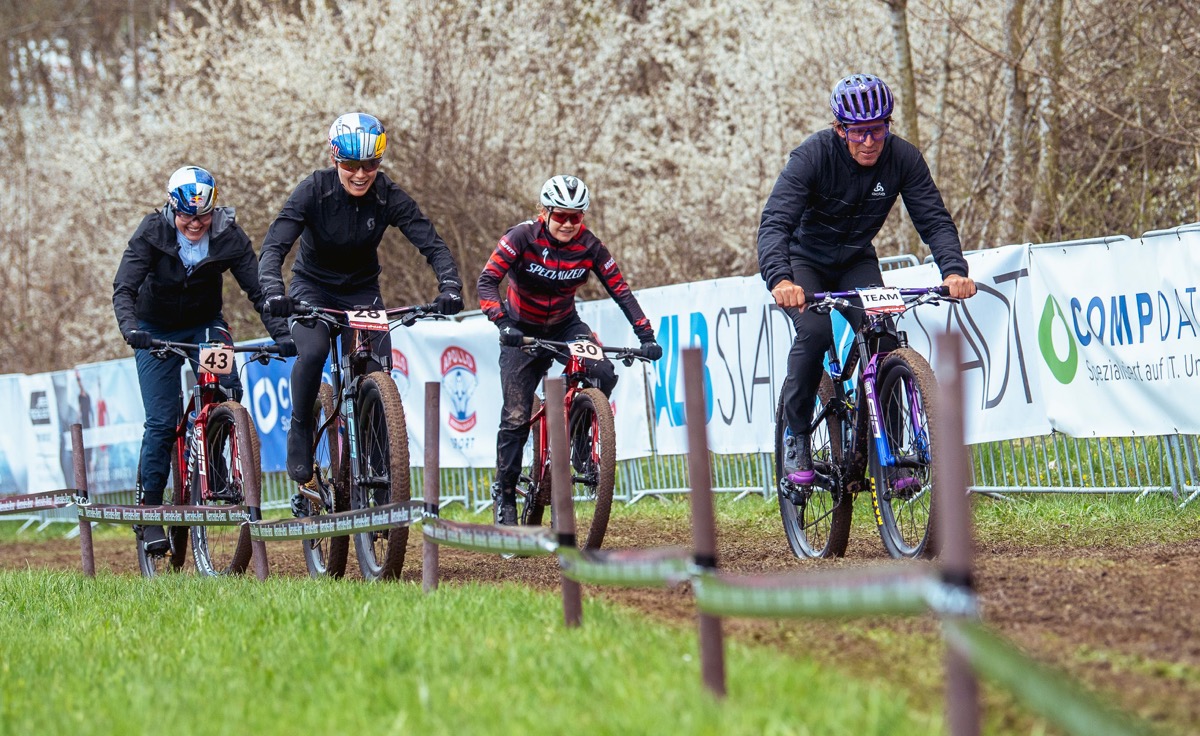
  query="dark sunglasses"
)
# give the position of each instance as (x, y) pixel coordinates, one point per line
(860, 134)
(566, 218)
(367, 166)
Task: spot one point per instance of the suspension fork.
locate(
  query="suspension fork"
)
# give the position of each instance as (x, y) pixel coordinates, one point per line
(870, 397)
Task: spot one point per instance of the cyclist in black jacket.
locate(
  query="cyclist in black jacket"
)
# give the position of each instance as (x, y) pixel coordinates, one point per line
(168, 287)
(339, 215)
(815, 235)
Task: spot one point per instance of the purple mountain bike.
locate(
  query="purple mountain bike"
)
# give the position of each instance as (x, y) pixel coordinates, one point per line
(878, 410)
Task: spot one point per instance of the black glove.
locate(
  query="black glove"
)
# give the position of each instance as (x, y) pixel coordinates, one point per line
(651, 349)
(449, 302)
(280, 305)
(287, 347)
(139, 339)
(510, 336)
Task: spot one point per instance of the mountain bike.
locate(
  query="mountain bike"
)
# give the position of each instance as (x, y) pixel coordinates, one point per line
(360, 446)
(591, 437)
(881, 416)
(213, 458)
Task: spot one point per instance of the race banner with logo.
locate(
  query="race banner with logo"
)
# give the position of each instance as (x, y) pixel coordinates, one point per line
(1118, 337)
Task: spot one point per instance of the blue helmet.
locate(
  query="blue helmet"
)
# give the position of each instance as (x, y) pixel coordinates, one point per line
(357, 136)
(192, 191)
(861, 98)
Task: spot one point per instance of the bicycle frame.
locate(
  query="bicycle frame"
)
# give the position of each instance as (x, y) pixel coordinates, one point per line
(574, 374)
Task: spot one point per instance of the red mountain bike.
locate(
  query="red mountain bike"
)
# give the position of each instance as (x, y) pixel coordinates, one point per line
(591, 437)
(216, 453)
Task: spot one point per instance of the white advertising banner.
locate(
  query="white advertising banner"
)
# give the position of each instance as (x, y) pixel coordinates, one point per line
(1118, 339)
(15, 439)
(38, 421)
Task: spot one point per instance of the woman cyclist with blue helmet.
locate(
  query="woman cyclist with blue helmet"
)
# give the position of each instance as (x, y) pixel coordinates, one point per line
(168, 287)
(833, 196)
(339, 215)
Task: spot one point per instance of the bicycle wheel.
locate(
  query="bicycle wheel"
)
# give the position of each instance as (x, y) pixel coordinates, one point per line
(536, 491)
(327, 556)
(229, 467)
(382, 473)
(592, 441)
(903, 490)
(819, 525)
(172, 561)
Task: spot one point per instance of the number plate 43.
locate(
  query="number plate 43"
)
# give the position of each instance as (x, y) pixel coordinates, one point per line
(586, 350)
(882, 300)
(216, 358)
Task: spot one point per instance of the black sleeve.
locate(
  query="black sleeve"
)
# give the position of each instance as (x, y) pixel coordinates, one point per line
(136, 262)
(245, 270)
(403, 213)
(281, 236)
(781, 216)
(930, 216)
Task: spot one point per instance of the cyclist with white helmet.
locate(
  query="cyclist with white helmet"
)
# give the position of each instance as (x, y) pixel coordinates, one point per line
(546, 260)
(817, 226)
(339, 215)
(168, 287)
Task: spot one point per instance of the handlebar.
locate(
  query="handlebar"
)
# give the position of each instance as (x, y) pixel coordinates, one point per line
(823, 301)
(626, 355)
(404, 315)
(261, 353)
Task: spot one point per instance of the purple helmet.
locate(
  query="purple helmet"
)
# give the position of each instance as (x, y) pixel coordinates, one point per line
(860, 98)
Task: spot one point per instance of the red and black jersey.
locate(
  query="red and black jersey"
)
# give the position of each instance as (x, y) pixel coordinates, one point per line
(543, 276)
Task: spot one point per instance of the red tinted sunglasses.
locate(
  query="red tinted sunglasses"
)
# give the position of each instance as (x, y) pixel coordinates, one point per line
(367, 166)
(566, 218)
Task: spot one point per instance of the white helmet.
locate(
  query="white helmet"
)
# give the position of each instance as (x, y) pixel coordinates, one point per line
(192, 191)
(565, 193)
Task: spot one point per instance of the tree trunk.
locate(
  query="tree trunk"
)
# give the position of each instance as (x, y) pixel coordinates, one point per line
(1013, 126)
(1043, 212)
(936, 143)
(904, 66)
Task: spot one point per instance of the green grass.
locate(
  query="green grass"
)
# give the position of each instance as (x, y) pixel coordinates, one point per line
(119, 654)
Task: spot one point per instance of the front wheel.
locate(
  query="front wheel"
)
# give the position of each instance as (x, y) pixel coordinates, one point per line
(816, 519)
(592, 441)
(229, 468)
(327, 555)
(902, 485)
(380, 475)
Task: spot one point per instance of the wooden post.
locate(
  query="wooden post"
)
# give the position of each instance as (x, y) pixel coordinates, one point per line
(704, 525)
(562, 505)
(433, 430)
(87, 554)
(953, 527)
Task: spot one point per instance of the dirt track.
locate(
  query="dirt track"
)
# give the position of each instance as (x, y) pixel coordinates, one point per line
(1107, 615)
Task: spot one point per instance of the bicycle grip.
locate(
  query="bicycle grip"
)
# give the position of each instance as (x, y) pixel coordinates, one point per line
(943, 290)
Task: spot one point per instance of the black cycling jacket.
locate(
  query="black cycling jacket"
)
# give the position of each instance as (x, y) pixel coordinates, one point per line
(340, 235)
(153, 285)
(826, 208)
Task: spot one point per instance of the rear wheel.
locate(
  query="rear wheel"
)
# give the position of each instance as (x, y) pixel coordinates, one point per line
(382, 473)
(591, 438)
(327, 555)
(903, 488)
(817, 522)
(229, 468)
(177, 536)
(537, 490)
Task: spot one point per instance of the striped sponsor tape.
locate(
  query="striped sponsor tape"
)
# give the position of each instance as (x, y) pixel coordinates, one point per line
(37, 501)
(166, 515)
(343, 523)
(649, 568)
(515, 540)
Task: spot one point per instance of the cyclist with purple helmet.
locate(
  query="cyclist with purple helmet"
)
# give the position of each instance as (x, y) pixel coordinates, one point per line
(833, 196)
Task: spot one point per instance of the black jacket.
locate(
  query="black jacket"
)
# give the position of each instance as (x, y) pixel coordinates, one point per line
(340, 234)
(826, 208)
(152, 284)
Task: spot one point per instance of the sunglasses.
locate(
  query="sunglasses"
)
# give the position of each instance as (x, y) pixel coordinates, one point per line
(367, 166)
(566, 218)
(859, 135)
(189, 219)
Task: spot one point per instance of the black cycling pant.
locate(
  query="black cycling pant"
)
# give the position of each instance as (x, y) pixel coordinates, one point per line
(312, 343)
(520, 374)
(814, 334)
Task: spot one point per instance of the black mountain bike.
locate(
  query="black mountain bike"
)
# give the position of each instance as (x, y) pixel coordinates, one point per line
(883, 419)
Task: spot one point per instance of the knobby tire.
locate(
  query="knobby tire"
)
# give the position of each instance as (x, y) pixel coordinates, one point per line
(383, 475)
(327, 556)
(225, 550)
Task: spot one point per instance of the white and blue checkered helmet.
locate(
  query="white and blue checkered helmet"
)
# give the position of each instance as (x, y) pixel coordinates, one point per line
(192, 191)
(357, 136)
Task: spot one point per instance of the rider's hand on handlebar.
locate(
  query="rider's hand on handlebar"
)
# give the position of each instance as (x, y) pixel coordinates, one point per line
(287, 347)
(651, 350)
(280, 305)
(449, 302)
(961, 287)
(139, 339)
(510, 336)
(788, 294)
